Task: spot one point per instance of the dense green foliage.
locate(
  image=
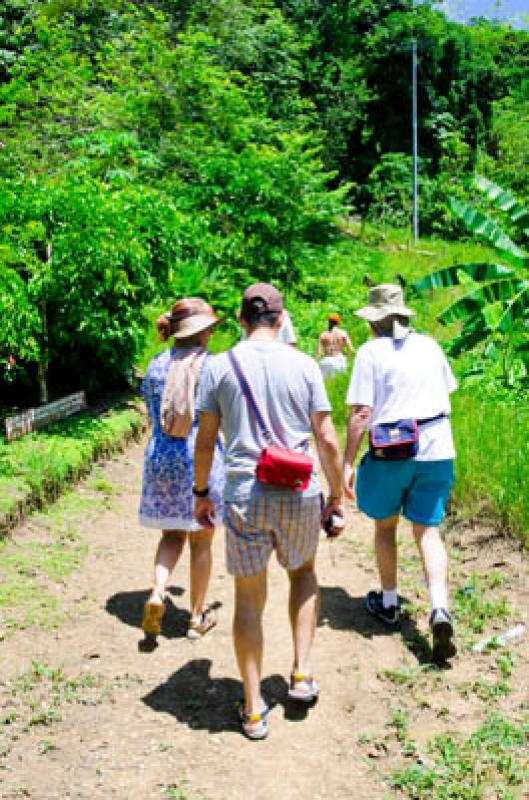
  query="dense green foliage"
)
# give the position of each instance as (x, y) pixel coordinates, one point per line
(152, 170)
(148, 150)
(153, 150)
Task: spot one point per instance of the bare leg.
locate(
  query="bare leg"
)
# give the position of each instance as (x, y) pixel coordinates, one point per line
(169, 551)
(435, 562)
(200, 569)
(250, 599)
(386, 551)
(304, 606)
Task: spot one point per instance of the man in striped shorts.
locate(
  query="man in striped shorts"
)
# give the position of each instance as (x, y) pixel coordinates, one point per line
(291, 403)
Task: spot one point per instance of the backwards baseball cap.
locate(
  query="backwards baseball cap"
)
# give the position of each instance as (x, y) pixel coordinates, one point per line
(269, 296)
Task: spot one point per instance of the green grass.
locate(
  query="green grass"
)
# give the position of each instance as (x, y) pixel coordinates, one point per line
(492, 762)
(32, 567)
(492, 443)
(35, 468)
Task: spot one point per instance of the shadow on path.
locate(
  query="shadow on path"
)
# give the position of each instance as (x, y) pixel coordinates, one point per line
(201, 702)
(128, 607)
(341, 611)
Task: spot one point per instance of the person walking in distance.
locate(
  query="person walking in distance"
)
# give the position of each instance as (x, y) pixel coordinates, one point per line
(167, 501)
(399, 391)
(268, 399)
(332, 343)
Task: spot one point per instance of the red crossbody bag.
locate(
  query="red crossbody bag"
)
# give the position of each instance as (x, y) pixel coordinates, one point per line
(276, 466)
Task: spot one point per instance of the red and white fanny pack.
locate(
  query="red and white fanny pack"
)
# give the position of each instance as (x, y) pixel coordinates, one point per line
(276, 466)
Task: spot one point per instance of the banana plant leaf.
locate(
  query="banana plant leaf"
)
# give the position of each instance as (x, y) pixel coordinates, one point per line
(504, 291)
(517, 308)
(480, 225)
(505, 201)
(449, 276)
(466, 341)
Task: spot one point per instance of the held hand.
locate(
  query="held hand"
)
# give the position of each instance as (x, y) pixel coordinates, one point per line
(205, 512)
(333, 517)
(348, 481)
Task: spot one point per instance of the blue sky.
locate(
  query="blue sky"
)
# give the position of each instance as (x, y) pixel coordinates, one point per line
(514, 11)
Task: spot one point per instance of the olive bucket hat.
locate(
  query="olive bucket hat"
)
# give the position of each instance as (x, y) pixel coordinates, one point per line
(383, 301)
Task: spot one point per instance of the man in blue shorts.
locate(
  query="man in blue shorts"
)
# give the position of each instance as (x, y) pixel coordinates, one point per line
(400, 375)
(288, 391)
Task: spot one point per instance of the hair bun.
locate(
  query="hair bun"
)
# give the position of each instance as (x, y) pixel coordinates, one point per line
(163, 326)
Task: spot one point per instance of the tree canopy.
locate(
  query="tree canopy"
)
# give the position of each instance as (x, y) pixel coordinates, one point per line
(148, 149)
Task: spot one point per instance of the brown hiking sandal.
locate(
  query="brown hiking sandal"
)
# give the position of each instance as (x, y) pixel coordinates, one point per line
(153, 612)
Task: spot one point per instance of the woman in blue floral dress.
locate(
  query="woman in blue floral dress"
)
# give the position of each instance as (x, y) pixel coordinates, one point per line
(167, 500)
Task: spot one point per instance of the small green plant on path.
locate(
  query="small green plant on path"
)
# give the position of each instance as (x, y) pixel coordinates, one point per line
(492, 762)
(173, 790)
(38, 696)
(476, 608)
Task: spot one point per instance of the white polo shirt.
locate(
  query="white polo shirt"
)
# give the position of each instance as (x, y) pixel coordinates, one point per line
(408, 378)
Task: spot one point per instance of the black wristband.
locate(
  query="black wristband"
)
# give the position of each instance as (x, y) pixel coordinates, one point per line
(201, 492)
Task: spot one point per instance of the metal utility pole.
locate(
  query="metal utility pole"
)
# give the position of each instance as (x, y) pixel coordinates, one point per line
(414, 137)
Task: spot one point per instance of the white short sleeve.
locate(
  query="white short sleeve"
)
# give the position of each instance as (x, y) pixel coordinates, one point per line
(451, 382)
(319, 400)
(362, 384)
(286, 333)
(206, 398)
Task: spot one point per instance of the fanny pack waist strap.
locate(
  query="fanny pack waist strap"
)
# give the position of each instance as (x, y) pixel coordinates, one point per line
(430, 419)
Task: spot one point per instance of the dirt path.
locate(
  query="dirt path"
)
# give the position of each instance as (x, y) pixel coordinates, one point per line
(86, 714)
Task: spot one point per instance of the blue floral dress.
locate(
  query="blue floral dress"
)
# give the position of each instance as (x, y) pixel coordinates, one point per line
(167, 500)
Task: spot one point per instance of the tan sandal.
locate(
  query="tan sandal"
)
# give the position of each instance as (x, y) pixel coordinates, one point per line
(153, 612)
(307, 693)
(199, 627)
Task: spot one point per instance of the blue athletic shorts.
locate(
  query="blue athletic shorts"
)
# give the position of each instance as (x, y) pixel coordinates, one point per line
(418, 489)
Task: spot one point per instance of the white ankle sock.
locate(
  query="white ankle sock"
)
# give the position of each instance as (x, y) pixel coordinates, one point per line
(438, 595)
(389, 598)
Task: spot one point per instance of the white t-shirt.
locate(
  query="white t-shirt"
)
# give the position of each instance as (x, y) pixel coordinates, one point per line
(410, 378)
(286, 333)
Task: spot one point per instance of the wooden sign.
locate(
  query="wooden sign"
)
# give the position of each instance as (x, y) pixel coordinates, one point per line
(34, 419)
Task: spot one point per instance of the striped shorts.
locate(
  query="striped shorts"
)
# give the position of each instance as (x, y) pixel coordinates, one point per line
(286, 523)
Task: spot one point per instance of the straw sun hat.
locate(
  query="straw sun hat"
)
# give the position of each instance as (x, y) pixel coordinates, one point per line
(191, 315)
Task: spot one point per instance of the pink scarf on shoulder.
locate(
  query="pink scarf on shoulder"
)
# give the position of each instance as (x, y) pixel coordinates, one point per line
(177, 409)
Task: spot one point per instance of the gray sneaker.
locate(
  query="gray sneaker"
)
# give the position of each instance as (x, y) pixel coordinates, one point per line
(443, 646)
(389, 616)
